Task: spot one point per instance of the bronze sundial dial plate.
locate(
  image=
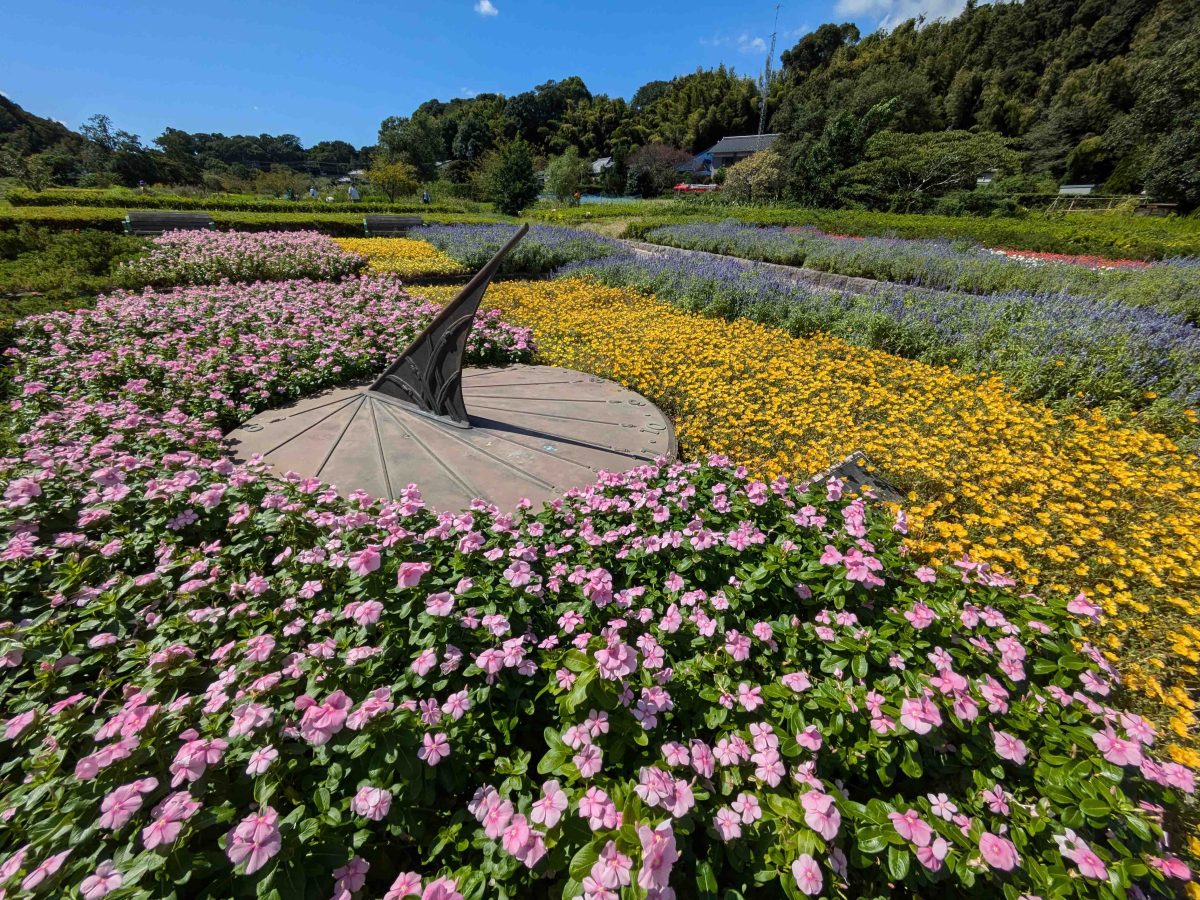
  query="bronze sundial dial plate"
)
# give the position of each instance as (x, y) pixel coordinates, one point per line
(534, 431)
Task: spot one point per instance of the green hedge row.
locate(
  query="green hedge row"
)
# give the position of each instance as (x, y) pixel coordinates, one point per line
(337, 224)
(235, 203)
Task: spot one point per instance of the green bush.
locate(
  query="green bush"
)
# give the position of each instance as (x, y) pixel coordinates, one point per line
(40, 267)
(129, 199)
(349, 224)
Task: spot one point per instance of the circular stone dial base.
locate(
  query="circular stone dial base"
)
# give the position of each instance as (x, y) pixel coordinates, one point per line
(536, 431)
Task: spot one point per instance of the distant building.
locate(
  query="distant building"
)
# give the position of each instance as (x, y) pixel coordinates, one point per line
(1076, 190)
(986, 177)
(700, 165)
(729, 150)
(602, 165)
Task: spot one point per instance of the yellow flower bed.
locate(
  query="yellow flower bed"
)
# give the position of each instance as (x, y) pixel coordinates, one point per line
(1066, 503)
(406, 257)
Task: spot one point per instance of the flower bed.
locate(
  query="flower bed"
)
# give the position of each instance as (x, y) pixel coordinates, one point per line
(1171, 286)
(1079, 353)
(543, 249)
(221, 684)
(1033, 258)
(224, 352)
(207, 257)
(395, 701)
(402, 256)
(1063, 502)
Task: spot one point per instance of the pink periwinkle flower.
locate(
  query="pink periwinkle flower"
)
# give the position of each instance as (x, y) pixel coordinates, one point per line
(254, 840)
(104, 880)
(372, 803)
(998, 852)
(808, 876)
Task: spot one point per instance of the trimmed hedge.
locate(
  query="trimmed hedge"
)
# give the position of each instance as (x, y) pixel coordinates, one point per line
(233, 203)
(109, 219)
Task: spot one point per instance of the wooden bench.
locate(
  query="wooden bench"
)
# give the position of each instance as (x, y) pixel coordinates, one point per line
(390, 226)
(151, 223)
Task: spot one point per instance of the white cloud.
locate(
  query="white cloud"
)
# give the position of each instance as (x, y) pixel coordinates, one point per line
(4, 95)
(486, 8)
(467, 92)
(890, 13)
(747, 44)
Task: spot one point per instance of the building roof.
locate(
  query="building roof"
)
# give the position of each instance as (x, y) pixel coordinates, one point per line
(743, 143)
(599, 165)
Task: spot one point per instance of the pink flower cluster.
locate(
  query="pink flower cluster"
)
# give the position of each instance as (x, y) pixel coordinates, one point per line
(208, 257)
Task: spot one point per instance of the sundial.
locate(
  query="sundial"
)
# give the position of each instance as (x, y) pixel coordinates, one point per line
(500, 434)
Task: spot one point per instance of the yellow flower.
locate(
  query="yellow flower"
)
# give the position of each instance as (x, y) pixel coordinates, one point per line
(404, 256)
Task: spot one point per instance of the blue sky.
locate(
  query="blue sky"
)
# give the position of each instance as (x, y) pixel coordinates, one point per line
(335, 70)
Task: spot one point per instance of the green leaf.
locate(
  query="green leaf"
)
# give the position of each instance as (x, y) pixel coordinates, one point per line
(706, 881)
(584, 859)
(858, 666)
(872, 840)
(897, 860)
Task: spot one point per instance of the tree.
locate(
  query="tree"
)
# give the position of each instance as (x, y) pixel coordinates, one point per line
(907, 171)
(565, 175)
(817, 48)
(394, 179)
(31, 171)
(653, 169)
(416, 141)
(472, 139)
(758, 178)
(507, 177)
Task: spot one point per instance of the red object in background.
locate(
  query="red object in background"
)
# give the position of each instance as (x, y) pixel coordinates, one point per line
(696, 188)
(1093, 262)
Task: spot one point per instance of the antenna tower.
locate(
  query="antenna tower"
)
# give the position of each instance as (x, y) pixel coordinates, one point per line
(767, 75)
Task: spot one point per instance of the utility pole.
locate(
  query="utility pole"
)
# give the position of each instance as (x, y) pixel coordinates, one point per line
(766, 76)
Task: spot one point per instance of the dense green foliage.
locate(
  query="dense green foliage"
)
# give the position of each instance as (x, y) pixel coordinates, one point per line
(508, 178)
(1093, 92)
(43, 270)
(565, 175)
(1045, 92)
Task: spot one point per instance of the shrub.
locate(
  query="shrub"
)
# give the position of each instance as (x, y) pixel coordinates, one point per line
(206, 257)
(393, 179)
(758, 178)
(37, 264)
(652, 169)
(508, 179)
(565, 175)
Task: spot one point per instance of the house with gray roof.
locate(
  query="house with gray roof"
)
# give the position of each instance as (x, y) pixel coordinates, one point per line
(735, 148)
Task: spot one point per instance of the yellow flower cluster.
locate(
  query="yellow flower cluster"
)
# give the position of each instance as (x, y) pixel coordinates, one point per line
(1065, 503)
(404, 256)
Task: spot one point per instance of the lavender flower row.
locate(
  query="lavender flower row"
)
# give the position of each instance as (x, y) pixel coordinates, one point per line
(543, 249)
(1171, 285)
